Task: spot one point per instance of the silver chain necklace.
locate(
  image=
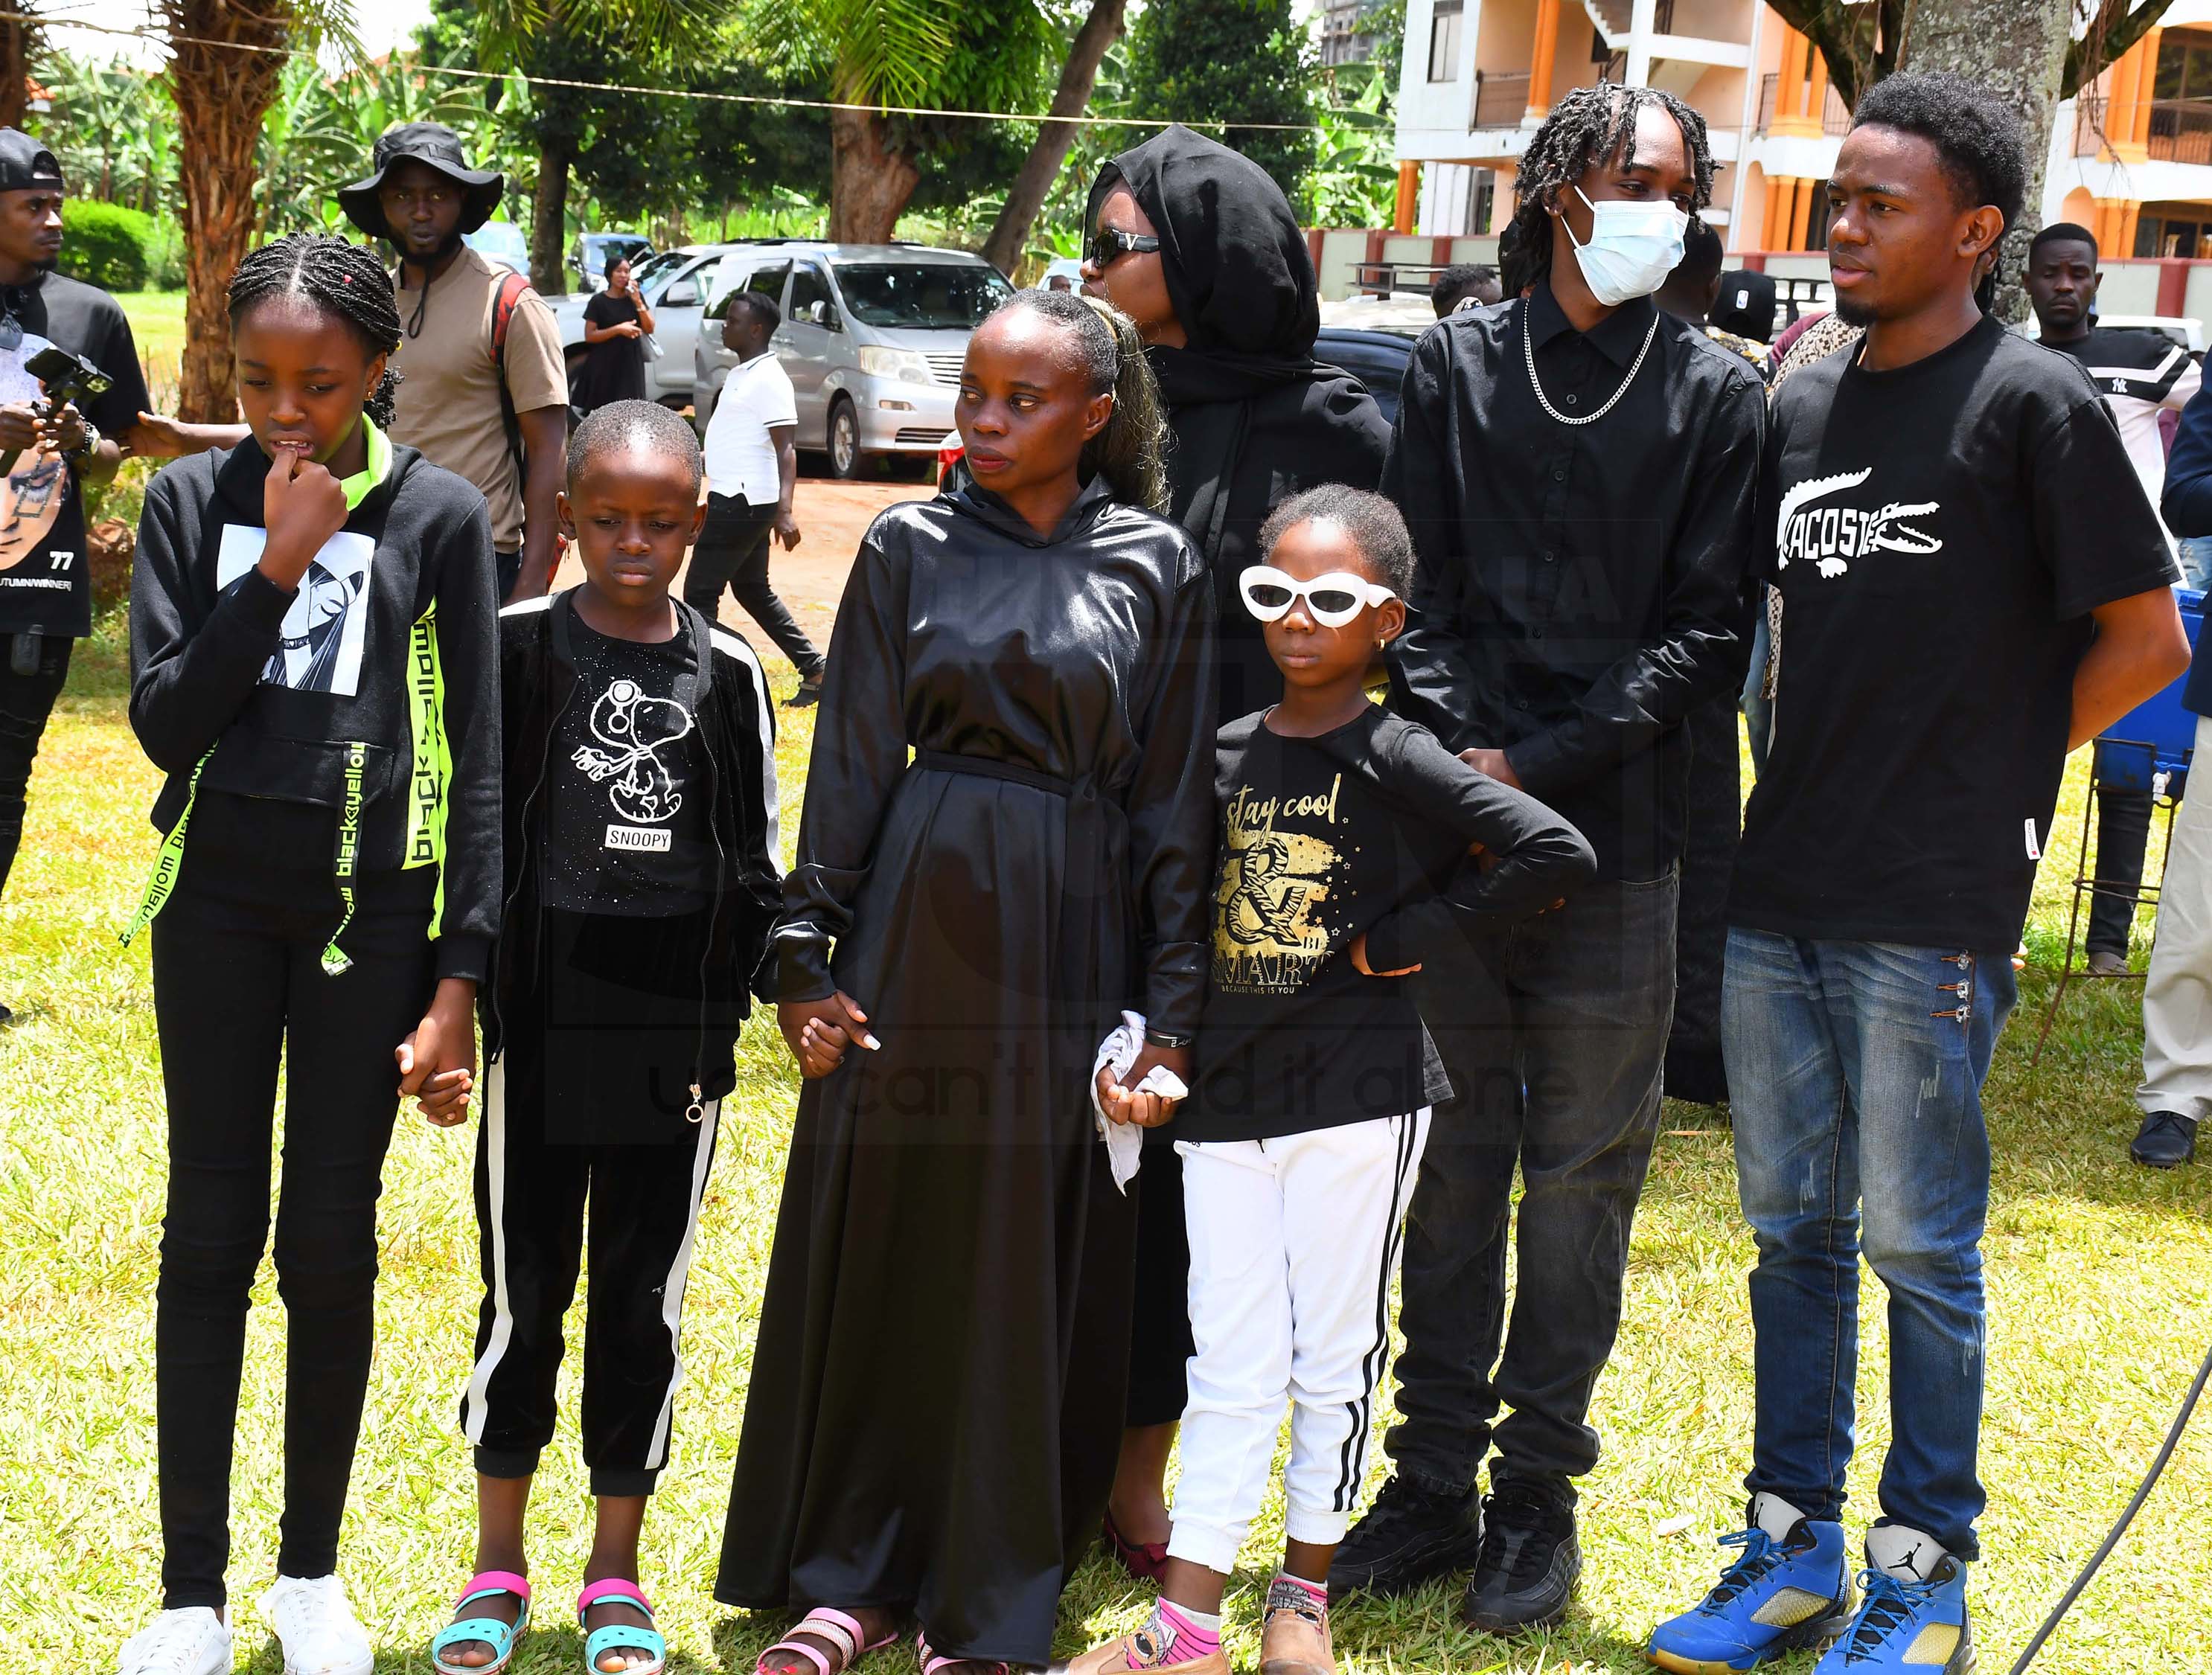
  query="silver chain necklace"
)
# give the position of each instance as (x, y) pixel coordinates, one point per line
(1529, 354)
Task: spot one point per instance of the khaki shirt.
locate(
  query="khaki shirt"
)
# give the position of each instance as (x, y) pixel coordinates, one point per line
(448, 404)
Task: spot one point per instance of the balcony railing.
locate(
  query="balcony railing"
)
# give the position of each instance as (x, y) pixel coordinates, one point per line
(1835, 117)
(2181, 130)
(1500, 101)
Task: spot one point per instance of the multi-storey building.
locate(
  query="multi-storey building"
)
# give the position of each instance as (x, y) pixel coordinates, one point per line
(2131, 158)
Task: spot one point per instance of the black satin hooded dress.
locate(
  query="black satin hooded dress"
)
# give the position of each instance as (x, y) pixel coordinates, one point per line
(935, 1401)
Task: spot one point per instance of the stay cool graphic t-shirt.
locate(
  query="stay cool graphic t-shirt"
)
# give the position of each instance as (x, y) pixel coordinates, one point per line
(1942, 532)
(626, 831)
(43, 584)
(1321, 839)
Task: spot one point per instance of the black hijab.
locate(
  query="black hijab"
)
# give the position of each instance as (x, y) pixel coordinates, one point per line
(1255, 417)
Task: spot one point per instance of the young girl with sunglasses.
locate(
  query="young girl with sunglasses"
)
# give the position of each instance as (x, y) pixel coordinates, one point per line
(936, 1395)
(1351, 840)
(312, 662)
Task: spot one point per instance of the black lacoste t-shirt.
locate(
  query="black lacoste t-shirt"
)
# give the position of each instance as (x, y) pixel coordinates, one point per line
(627, 829)
(1942, 532)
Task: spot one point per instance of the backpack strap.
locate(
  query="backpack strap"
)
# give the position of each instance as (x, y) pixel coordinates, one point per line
(504, 301)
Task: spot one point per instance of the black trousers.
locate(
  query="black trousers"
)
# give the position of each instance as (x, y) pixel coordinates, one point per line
(1160, 1341)
(2123, 834)
(733, 552)
(26, 701)
(530, 1199)
(237, 981)
(1553, 1033)
(1694, 1068)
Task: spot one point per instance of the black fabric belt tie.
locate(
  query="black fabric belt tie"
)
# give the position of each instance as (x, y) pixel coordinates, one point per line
(1097, 829)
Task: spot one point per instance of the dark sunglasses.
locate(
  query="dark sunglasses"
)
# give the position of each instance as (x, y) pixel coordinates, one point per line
(1110, 244)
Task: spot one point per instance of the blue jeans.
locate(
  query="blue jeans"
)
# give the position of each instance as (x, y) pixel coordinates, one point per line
(2196, 557)
(1758, 708)
(1855, 1070)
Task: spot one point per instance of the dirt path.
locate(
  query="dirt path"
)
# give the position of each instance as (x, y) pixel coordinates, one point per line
(832, 517)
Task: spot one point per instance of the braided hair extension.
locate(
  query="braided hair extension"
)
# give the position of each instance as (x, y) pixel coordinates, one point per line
(1130, 450)
(1589, 125)
(345, 280)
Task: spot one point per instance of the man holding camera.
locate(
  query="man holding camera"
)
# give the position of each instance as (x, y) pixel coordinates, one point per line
(52, 446)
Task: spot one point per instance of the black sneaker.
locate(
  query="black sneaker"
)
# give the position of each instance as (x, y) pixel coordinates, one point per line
(2166, 1140)
(1529, 1561)
(808, 694)
(1409, 1536)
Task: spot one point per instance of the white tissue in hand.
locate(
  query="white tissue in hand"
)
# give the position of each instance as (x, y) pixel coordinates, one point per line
(1124, 1141)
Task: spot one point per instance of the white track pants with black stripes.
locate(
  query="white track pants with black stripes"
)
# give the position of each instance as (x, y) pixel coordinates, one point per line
(1293, 1244)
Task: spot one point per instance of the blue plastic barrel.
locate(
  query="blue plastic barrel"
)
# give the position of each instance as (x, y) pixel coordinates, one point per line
(2157, 735)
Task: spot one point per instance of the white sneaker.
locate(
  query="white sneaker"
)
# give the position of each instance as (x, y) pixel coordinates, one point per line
(315, 1622)
(191, 1642)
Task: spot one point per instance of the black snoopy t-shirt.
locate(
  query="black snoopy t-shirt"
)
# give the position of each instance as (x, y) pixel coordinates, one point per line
(1940, 533)
(628, 832)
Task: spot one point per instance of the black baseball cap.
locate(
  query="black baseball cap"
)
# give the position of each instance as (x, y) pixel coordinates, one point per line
(25, 164)
(428, 143)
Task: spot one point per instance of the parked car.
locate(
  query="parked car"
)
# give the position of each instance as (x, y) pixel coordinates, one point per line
(872, 336)
(589, 257)
(672, 284)
(500, 241)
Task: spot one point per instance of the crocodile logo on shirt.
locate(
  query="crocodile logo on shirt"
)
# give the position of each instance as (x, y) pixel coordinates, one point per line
(1828, 536)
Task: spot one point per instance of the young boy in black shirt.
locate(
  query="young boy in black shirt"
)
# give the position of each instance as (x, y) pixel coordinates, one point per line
(1352, 843)
(640, 824)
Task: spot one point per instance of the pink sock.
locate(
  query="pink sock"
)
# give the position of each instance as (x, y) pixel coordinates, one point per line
(1188, 1633)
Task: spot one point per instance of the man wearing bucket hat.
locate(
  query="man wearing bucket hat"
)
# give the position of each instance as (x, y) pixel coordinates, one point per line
(483, 388)
(46, 595)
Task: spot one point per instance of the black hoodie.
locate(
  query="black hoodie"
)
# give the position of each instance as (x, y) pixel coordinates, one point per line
(271, 758)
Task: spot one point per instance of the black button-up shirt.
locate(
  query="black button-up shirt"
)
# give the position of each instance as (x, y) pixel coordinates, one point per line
(1581, 587)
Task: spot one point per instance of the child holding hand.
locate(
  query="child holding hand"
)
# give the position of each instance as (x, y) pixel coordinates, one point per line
(1350, 841)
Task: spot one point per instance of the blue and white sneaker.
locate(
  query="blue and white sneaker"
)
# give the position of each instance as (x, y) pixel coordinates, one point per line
(1914, 1619)
(1790, 1590)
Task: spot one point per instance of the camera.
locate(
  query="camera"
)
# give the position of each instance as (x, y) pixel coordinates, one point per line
(67, 377)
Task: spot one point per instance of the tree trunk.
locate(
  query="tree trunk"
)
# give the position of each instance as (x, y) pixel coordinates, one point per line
(870, 179)
(15, 71)
(2016, 49)
(220, 94)
(1010, 232)
(548, 218)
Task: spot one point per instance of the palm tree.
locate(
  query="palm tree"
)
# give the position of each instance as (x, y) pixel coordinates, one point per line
(226, 66)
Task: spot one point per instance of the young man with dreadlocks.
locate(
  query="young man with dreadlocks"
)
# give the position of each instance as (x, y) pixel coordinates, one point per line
(1974, 584)
(313, 665)
(1580, 472)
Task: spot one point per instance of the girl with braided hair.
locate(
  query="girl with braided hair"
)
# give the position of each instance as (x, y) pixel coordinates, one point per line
(936, 1397)
(311, 638)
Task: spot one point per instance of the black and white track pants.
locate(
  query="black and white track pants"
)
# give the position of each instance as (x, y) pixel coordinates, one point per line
(642, 1229)
(1293, 1245)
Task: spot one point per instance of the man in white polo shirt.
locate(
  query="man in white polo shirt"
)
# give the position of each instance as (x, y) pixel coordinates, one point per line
(752, 466)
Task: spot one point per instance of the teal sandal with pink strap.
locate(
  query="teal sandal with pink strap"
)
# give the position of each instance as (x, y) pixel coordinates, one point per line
(844, 1635)
(621, 1637)
(501, 1637)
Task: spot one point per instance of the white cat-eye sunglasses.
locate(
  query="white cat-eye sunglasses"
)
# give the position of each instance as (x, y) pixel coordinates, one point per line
(1331, 600)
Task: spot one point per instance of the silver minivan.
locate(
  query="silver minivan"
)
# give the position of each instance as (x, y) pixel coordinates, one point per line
(873, 337)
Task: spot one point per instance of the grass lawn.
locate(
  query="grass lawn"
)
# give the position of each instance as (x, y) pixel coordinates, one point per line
(2100, 1276)
(157, 326)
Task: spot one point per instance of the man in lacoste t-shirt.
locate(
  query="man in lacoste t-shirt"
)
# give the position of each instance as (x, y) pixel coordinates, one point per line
(1973, 582)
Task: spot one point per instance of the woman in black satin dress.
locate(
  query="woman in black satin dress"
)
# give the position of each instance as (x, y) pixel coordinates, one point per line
(936, 1394)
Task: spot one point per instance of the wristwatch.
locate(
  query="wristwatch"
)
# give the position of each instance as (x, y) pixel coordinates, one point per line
(90, 443)
(1167, 1042)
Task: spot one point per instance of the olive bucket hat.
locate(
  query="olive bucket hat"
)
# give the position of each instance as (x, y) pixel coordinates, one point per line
(439, 147)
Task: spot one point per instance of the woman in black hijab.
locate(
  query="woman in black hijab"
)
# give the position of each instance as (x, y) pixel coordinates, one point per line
(1199, 246)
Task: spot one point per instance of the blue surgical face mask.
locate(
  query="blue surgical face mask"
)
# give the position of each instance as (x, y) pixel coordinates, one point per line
(1632, 247)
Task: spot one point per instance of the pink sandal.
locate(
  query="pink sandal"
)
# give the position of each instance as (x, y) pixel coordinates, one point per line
(932, 1664)
(843, 1633)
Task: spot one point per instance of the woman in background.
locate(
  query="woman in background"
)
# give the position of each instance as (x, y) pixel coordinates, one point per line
(1199, 246)
(616, 321)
